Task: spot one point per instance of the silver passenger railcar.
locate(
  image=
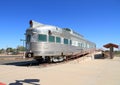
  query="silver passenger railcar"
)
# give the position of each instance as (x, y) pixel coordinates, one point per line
(51, 43)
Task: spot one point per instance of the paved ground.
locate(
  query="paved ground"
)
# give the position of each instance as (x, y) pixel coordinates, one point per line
(77, 72)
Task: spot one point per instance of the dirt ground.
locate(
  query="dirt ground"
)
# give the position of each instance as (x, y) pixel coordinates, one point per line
(85, 71)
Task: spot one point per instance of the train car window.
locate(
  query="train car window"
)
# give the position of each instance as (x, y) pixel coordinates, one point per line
(79, 44)
(70, 42)
(58, 40)
(65, 41)
(88, 46)
(51, 39)
(42, 37)
(82, 45)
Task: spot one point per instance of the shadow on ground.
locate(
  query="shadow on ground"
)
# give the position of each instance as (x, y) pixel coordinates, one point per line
(23, 63)
(99, 56)
(28, 81)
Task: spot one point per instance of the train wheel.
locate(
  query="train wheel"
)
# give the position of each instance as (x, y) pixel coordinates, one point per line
(48, 59)
(54, 59)
(51, 59)
(29, 55)
(64, 57)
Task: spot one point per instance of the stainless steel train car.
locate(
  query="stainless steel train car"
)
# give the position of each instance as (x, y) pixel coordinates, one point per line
(51, 43)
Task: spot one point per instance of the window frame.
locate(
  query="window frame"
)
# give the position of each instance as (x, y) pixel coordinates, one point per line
(51, 38)
(58, 40)
(42, 39)
(66, 41)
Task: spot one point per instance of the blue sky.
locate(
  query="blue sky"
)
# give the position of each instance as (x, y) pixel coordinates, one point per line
(97, 20)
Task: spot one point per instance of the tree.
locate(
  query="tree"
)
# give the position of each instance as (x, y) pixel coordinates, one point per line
(2, 50)
(9, 49)
(21, 48)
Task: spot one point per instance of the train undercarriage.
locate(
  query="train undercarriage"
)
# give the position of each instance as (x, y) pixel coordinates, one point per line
(58, 58)
(50, 59)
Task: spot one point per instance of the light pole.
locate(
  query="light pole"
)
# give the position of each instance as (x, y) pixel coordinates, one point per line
(23, 47)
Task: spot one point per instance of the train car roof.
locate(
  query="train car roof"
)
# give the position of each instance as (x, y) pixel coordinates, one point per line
(37, 25)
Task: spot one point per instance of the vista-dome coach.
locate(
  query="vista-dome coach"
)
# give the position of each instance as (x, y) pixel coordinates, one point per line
(51, 43)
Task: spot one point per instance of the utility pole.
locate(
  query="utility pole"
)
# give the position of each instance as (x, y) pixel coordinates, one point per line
(23, 47)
